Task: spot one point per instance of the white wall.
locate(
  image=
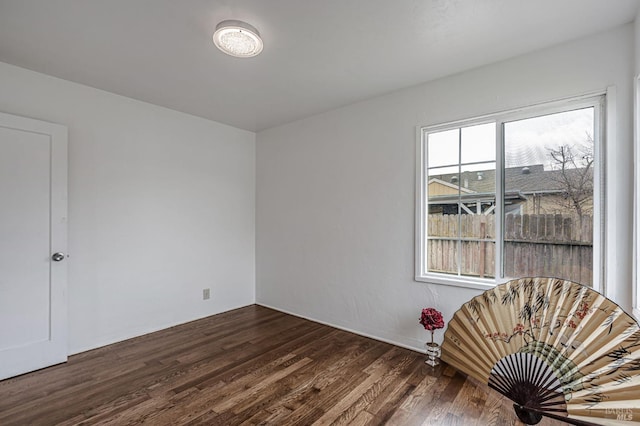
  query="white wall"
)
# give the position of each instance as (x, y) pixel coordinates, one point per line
(636, 125)
(637, 41)
(335, 192)
(161, 205)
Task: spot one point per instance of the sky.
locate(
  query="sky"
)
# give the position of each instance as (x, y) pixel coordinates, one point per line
(527, 141)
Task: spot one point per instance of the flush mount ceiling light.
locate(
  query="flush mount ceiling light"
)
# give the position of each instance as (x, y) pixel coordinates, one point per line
(237, 38)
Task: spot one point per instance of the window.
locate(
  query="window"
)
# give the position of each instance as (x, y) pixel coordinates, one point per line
(512, 195)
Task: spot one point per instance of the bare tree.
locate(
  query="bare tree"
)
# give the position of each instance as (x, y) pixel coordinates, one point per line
(574, 173)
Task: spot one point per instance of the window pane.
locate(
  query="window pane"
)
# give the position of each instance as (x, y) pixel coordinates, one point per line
(461, 208)
(477, 220)
(479, 143)
(443, 229)
(548, 200)
(478, 258)
(443, 148)
(443, 194)
(442, 245)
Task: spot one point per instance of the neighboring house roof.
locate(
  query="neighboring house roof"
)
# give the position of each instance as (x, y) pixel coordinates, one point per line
(525, 180)
(451, 185)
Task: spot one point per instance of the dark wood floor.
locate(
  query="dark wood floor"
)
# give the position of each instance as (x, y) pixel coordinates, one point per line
(250, 366)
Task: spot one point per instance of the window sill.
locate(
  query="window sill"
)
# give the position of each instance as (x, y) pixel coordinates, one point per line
(464, 282)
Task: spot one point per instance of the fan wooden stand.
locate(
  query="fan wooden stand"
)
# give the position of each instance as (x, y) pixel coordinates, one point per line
(554, 347)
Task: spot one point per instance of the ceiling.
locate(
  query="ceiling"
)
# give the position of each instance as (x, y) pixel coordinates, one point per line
(318, 54)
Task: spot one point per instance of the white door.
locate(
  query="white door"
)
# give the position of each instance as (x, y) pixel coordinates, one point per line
(33, 244)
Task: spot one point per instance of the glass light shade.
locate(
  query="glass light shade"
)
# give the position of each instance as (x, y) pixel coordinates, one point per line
(237, 38)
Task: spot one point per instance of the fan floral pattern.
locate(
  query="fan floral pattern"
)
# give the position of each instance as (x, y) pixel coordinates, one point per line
(585, 348)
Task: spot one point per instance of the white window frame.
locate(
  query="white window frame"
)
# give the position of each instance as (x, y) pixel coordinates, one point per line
(595, 100)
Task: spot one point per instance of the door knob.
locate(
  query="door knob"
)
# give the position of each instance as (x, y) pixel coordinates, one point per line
(57, 257)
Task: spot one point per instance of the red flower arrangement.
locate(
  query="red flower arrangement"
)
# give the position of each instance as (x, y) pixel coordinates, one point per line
(431, 319)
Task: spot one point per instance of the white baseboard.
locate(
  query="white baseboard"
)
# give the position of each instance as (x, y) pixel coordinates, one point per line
(131, 334)
(359, 333)
(142, 332)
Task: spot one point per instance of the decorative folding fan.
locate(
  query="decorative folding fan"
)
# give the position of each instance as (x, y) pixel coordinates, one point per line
(554, 347)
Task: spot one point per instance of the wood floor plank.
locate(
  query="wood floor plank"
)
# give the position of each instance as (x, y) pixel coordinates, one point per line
(250, 366)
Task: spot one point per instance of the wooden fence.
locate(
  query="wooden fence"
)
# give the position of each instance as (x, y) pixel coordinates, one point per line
(534, 245)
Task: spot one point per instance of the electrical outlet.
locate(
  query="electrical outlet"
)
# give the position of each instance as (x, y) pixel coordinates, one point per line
(206, 293)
